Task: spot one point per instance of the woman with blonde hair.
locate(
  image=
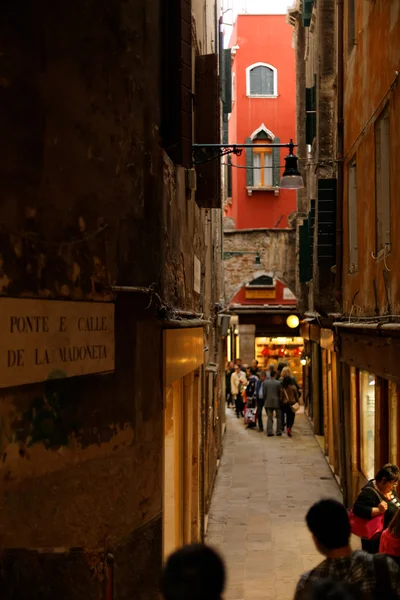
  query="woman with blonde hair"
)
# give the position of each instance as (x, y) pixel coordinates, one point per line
(390, 538)
(286, 372)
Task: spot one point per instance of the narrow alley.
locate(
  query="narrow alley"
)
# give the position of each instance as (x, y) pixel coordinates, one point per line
(263, 490)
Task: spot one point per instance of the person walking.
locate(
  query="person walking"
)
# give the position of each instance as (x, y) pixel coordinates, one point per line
(255, 368)
(260, 399)
(238, 381)
(288, 398)
(287, 372)
(375, 576)
(239, 364)
(195, 571)
(378, 497)
(228, 373)
(271, 389)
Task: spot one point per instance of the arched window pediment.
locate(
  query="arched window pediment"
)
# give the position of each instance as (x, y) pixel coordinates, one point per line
(262, 129)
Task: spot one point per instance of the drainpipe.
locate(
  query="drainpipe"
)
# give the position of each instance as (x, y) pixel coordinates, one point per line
(343, 424)
(339, 154)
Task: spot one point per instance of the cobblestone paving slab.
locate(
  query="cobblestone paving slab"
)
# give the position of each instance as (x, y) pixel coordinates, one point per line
(264, 488)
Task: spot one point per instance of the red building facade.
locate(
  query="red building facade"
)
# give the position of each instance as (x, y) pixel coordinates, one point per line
(263, 111)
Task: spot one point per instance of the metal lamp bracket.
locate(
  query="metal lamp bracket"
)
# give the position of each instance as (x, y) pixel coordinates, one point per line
(204, 153)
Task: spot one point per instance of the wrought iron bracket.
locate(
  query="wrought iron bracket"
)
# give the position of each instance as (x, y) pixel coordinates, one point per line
(204, 153)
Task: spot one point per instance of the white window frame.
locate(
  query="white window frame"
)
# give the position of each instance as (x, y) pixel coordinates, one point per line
(275, 73)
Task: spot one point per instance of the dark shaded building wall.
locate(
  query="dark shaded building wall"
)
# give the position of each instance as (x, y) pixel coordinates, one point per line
(80, 209)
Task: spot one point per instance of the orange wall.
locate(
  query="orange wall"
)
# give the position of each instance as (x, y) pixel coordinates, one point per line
(369, 72)
(262, 38)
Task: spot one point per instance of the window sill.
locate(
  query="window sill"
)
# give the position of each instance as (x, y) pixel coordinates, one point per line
(252, 189)
(263, 97)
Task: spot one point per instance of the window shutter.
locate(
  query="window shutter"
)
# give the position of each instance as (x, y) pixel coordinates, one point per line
(229, 177)
(227, 82)
(276, 164)
(176, 101)
(249, 164)
(307, 12)
(326, 207)
(207, 128)
(311, 115)
(304, 252)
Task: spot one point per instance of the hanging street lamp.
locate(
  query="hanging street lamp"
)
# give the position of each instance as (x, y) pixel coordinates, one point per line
(291, 177)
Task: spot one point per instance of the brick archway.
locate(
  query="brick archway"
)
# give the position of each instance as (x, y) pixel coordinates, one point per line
(277, 251)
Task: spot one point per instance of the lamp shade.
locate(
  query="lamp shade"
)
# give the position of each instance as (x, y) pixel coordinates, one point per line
(292, 321)
(291, 178)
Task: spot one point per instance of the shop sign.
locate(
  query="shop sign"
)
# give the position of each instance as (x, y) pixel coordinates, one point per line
(260, 294)
(50, 339)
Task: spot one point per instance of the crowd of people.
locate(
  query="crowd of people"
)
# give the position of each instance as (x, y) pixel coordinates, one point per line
(196, 572)
(249, 390)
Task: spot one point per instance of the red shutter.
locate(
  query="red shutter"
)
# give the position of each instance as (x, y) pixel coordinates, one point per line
(207, 129)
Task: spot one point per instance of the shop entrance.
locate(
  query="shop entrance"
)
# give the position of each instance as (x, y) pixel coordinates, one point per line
(275, 350)
(183, 354)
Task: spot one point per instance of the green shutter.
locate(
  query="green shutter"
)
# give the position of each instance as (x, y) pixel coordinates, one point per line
(311, 115)
(307, 12)
(225, 130)
(227, 91)
(249, 164)
(276, 164)
(229, 177)
(304, 252)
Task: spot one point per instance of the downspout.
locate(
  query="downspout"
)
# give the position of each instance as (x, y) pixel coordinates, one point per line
(339, 154)
(343, 422)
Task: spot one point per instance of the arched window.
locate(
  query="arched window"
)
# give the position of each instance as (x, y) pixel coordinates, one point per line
(262, 80)
(262, 162)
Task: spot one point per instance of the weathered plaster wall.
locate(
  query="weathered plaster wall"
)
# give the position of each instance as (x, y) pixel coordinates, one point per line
(370, 71)
(81, 172)
(277, 251)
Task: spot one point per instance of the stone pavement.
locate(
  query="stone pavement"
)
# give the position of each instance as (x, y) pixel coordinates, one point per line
(264, 488)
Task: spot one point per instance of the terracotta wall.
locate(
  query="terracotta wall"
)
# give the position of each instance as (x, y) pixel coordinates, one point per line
(370, 73)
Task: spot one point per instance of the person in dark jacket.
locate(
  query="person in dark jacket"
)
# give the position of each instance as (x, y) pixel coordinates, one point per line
(377, 497)
(251, 387)
(228, 372)
(260, 399)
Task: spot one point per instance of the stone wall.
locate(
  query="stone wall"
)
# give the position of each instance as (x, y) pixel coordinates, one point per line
(277, 249)
(82, 208)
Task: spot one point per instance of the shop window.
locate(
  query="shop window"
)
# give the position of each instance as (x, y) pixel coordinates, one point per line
(382, 181)
(367, 423)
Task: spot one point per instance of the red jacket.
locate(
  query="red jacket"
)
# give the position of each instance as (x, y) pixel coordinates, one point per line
(389, 544)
